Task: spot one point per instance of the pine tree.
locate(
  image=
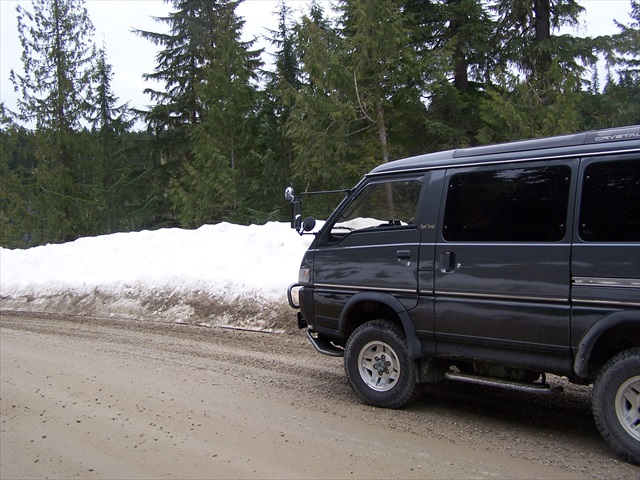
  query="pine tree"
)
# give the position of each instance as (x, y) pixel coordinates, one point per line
(203, 115)
(179, 67)
(620, 102)
(455, 38)
(383, 67)
(528, 43)
(176, 108)
(110, 122)
(57, 55)
(361, 78)
(542, 96)
(319, 125)
(274, 150)
(223, 141)
(627, 43)
(17, 183)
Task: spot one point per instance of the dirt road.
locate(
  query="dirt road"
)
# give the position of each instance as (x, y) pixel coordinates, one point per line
(106, 398)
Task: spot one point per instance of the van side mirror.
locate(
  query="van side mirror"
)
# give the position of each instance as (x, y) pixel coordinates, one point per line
(296, 208)
(297, 223)
(289, 194)
(296, 214)
(308, 224)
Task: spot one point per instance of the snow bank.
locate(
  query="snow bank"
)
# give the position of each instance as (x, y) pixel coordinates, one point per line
(222, 274)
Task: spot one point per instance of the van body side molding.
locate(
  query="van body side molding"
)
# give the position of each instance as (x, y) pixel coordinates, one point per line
(489, 296)
(607, 282)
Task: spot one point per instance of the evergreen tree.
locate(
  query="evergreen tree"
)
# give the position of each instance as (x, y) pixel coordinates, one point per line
(625, 93)
(203, 115)
(274, 150)
(361, 78)
(179, 67)
(383, 66)
(319, 126)
(16, 183)
(110, 122)
(527, 41)
(176, 109)
(542, 96)
(57, 55)
(224, 139)
(456, 39)
(627, 44)
(619, 102)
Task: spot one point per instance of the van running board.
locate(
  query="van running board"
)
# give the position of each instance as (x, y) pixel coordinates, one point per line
(544, 388)
(324, 346)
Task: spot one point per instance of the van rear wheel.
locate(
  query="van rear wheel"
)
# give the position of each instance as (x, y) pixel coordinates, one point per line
(616, 404)
(378, 365)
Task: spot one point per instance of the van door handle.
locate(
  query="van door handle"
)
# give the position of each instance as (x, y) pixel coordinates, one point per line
(448, 263)
(403, 256)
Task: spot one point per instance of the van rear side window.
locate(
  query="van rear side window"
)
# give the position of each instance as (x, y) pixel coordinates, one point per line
(610, 207)
(508, 205)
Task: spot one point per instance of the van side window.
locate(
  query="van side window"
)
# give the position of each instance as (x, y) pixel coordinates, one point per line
(383, 204)
(509, 205)
(610, 207)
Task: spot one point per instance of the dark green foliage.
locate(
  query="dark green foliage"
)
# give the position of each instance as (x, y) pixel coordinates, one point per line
(273, 151)
(206, 112)
(57, 56)
(366, 83)
(621, 96)
(17, 184)
(541, 72)
(457, 39)
(110, 164)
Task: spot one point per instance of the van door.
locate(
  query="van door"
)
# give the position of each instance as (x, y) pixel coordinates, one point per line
(502, 280)
(606, 251)
(372, 245)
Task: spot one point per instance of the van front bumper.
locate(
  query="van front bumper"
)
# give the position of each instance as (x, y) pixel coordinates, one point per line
(292, 303)
(305, 305)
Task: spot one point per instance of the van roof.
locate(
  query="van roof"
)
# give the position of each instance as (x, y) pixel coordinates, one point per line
(579, 144)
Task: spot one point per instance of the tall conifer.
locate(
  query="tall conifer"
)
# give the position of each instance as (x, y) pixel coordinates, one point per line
(319, 126)
(274, 150)
(57, 55)
(110, 122)
(456, 39)
(620, 102)
(223, 141)
(383, 66)
(541, 97)
(202, 116)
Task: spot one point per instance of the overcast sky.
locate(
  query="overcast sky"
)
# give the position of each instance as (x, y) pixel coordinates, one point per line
(131, 56)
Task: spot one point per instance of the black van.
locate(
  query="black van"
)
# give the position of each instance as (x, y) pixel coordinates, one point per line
(492, 265)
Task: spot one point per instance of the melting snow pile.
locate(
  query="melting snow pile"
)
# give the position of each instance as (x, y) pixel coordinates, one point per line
(219, 275)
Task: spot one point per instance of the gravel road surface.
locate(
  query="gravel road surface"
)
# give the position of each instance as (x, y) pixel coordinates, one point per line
(105, 398)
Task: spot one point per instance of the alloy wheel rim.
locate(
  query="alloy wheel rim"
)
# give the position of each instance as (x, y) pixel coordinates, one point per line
(379, 366)
(627, 405)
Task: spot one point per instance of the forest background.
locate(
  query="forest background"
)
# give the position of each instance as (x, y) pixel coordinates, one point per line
(352, 84)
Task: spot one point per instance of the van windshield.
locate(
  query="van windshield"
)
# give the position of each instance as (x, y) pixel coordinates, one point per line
(391, 203)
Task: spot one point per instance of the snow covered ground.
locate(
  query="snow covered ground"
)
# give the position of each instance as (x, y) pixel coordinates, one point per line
(217, 275)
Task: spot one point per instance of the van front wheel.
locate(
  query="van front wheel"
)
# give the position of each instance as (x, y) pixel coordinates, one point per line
(378, 365)
(616, 404)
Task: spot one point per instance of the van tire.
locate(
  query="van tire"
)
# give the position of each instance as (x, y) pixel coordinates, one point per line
(378, 365)
(616, 404)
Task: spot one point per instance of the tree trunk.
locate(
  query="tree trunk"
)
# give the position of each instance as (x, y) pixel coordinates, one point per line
(541, 63)
(459, 60)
